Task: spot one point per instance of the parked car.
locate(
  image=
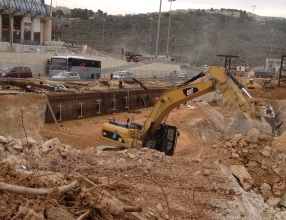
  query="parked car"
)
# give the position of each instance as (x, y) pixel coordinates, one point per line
(32, 50)
(182, 75)
(66, 75)
(125, 75)
(16, 72)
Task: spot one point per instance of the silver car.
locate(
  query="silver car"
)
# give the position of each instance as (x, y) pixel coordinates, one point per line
(125, 75)
(66, 75)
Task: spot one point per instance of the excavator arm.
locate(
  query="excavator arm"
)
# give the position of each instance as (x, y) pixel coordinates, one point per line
(160, 136)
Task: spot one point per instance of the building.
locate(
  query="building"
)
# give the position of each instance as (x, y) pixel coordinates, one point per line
(25, 21)
(272, 65)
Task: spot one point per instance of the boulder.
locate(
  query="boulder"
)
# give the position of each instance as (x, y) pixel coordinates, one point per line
(283, 201)
(235, 139)
(48, 145)
(3, 140)
(252, 135)
(273, 201)
(241, 173)
(30, 141)
(278, 188)
(265, 190)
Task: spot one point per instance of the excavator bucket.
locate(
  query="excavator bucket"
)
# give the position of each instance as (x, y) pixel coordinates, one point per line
(242, 124)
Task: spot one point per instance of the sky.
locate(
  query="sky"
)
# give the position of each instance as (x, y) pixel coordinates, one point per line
(273, 8)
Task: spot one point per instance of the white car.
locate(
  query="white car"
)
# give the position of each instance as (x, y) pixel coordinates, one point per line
(182, 75)
(32, 50)
(125, 75)
(66, 75)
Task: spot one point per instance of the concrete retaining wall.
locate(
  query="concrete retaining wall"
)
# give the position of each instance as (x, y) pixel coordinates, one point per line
(76, 105)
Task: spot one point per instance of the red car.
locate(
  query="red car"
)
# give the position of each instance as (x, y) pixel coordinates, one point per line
(16, 72)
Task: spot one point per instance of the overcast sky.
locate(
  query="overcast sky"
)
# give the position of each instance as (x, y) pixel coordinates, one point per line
(274, 8)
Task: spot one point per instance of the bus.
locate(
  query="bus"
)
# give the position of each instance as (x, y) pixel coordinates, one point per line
(86, 68)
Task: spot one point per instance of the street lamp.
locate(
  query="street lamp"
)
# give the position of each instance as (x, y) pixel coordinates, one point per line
(158, 31)
(169, 25)
(150, 40)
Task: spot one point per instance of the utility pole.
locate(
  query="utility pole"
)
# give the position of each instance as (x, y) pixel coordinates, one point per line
(51, 9)
(150, 40)
(103, 30)
(253, 7)
(227, 60)
(169, 25)
(158, 31)
(283, 57)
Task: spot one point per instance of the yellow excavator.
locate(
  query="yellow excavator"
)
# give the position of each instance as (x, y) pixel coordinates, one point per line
(132, 57)
(163, 137)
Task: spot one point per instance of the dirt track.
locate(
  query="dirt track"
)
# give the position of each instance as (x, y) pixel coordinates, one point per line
(194, 184)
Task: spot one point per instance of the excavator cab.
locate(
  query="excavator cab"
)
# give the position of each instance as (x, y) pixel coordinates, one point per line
(164, 139)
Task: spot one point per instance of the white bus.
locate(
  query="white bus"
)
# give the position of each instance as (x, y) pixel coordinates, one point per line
(87, 68)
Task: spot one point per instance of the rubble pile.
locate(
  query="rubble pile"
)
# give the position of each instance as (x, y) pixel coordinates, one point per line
(146, 182)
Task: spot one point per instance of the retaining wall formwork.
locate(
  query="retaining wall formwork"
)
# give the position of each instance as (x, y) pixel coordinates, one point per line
(67, 106)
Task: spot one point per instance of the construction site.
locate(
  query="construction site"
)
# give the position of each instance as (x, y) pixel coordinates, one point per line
(94, 150)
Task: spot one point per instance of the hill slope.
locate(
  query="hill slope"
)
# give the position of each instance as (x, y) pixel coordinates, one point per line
(195, 37)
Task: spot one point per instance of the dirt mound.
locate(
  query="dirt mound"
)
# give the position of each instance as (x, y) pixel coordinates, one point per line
(206, 123)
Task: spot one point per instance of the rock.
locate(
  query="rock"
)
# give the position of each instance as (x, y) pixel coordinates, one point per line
(281, 157)
(206, 172)
(252, 135)
(266, 153)
(235, 139)
(243, 142)
(3, 140)
(58, 213)
(30, 141)
(265, 190)
(243, 176)
(228, 144)
(14, 160)
(159, 207)
(265, 186)
(252, 145)
(18, 147)
(10, 144)
(276, 170)
(278, 188)
(18, 141)
(197, 160)
(252, 164)
(9, 139)
(265, 137)
(48, 145)
(266, 194)
(273, 201)
(2, 153)
(283, 201)
(235, 155)
(132, 156)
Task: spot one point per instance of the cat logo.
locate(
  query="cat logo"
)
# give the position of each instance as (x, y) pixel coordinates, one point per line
(190, 91)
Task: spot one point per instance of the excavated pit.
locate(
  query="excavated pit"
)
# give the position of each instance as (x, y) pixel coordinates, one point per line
(196, 181)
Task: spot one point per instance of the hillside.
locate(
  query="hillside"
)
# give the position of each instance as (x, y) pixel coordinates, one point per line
(195, 37)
